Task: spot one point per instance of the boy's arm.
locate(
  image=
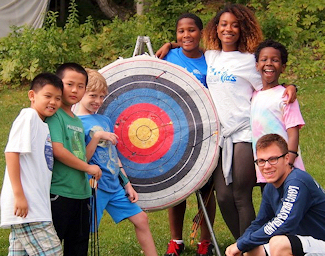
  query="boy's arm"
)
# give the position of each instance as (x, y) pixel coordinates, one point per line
(164, 50)
(69, 159)
(291, 91)
(130, 192)
(13, 167)
(293, 142)
(99, 135)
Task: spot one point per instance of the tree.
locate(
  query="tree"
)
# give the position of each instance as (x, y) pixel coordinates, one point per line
(112, 8)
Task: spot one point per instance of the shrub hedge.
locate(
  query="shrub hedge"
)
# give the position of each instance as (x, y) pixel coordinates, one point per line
(25, 51)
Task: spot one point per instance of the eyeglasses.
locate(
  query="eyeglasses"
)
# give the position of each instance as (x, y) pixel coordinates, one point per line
(272, 160)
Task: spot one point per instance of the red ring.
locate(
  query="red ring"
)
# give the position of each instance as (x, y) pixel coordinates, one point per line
(163, 122)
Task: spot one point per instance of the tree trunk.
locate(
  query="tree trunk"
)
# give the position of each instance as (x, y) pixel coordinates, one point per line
(111, 9)
(139, 7)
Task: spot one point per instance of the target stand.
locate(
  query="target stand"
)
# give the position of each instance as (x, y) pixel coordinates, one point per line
(167, 127)
(139, 46)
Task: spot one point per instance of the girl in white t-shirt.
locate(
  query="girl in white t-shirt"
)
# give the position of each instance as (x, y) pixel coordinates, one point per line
(232, 37)
(234, 34)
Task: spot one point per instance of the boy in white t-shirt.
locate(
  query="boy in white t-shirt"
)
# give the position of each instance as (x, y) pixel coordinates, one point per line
(25, 195)
(269, 112)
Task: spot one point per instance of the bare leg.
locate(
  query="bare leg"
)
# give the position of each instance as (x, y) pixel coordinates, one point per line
(176, 219)
(280, 246)
(211, 209)
(258, 251)
(143, 233)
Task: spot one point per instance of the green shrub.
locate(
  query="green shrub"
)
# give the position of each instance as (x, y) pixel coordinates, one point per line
(26, 51)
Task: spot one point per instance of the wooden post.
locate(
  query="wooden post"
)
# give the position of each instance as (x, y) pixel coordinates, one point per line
(139, 7)
(62, 11)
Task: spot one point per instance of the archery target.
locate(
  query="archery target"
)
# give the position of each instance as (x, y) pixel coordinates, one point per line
(167, 127)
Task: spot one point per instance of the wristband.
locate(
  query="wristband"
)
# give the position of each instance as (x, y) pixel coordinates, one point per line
(122, 178)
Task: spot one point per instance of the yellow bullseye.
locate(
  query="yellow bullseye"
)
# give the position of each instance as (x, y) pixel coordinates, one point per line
(143, 133)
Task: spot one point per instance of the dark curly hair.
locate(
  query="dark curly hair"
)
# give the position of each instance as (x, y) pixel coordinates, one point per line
(250, 31)
(276, 45)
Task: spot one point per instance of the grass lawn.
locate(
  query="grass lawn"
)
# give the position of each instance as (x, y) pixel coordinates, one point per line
(120, 239)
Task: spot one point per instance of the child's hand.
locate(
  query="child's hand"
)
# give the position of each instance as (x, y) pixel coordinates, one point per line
(112, 137)
(131, 193)
(94, 171)
(232, 250)
(21, 206)
(163, 51)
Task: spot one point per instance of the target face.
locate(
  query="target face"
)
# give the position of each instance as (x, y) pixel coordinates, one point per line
(167, 127)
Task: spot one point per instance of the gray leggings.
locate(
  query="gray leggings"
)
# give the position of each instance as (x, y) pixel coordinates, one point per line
(235, 200)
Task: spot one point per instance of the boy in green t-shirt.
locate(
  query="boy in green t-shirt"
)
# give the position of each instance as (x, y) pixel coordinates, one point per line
(70, 190)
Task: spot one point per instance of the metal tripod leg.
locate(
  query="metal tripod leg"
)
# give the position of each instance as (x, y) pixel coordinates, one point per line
(139, 46)
(207, 220)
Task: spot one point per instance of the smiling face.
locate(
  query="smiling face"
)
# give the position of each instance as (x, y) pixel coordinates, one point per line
(270, 66)
(275, 174)
(74, 87)
(228, 31)
(91, 102)
(45, 101)
(188, 37)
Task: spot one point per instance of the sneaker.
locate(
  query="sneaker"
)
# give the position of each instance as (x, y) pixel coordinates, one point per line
(204, 248)
(174, 249)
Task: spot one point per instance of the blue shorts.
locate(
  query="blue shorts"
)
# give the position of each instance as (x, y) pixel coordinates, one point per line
(116, 204)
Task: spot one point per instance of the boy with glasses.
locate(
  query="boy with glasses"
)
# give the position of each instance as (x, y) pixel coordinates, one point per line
(291, 220)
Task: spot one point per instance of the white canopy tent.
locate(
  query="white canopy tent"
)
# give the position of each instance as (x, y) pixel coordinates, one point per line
(21, 12)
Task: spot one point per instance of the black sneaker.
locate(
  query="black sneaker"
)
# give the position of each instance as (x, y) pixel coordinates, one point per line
(174, 249)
